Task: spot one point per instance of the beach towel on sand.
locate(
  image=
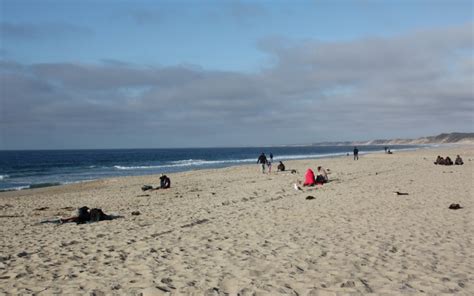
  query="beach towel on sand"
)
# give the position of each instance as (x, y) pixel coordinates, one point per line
(309, 178)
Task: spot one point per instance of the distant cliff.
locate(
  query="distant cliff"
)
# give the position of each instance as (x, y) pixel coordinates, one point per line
(451, 138)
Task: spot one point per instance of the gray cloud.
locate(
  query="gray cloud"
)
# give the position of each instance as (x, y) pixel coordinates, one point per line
(410, 85)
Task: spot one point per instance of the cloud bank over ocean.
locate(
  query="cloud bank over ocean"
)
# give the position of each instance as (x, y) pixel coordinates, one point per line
(306, 90)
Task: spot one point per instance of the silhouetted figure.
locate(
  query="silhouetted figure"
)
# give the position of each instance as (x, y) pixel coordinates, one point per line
(448, 161)
(356, 153)
(85, 215)
(458, 160)
(439, 160)
(165, 182)
(262, 159)
(281, 167)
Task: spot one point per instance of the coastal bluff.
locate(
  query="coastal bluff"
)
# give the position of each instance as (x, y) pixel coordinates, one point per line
(444, 138)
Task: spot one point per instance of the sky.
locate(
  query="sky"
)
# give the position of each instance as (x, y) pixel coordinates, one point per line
(157, 74)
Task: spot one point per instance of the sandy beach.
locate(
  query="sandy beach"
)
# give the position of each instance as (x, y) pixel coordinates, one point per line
(236, 231)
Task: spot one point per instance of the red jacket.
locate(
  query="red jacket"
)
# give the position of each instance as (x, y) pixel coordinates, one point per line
(309, 178)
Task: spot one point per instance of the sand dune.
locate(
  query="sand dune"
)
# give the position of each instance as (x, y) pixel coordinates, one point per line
(237, 231)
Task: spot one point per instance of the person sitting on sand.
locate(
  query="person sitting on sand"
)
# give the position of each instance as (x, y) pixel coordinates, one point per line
(322, 176)
(439, 160)
(448, 161)
(309, 178)
(165, 182)
(281, 167)
(458, 160)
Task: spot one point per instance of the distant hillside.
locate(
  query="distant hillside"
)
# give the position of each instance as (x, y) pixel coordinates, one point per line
(451, 138)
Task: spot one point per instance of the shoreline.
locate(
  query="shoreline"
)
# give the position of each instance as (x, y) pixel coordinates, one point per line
(191, 168)
(235, 230)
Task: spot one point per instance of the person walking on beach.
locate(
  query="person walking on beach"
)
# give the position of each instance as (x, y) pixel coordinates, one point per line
(271, 157)
(262, 159)
(356, 153)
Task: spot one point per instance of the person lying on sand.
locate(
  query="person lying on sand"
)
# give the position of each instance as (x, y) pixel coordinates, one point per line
(281, 167)
(309, 178)
(84, 215)
(458, 160)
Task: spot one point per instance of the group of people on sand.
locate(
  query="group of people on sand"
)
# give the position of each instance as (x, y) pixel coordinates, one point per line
(320, 179)
(265, 163)
(448, 161)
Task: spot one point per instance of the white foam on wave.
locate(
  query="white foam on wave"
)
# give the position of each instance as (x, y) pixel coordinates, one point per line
(144, 167)
(201, 162)
(183, 163)
(3, 177)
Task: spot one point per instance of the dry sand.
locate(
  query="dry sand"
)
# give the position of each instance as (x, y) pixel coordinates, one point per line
(238, 231)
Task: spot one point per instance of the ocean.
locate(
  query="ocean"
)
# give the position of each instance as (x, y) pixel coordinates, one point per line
(28, 169)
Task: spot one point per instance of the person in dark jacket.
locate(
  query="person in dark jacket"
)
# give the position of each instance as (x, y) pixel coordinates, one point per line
(439, 160)
(165, 182)
(448, 161)
(281, 167)
(356, 153)
(262, 159)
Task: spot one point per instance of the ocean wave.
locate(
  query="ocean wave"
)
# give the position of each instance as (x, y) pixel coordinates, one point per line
(17, 188)
(142, 167)
(3, 177)
(202, 162)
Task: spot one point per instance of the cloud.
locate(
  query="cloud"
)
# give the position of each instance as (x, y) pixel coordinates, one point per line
(408, 85)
